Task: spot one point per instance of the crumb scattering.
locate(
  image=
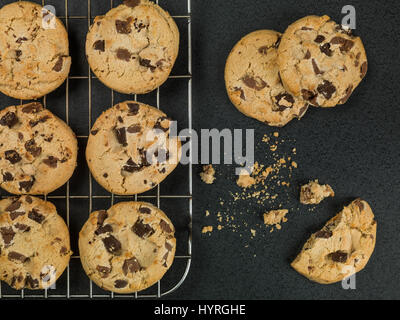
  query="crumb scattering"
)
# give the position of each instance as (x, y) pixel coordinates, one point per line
(208, 174)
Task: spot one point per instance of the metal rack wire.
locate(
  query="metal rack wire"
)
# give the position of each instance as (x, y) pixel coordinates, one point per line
(187, 257)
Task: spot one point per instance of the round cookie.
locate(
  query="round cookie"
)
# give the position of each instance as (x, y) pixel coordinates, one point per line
(253, 83)
(38, 151)
(133, 48)
(127, 248)
(130, 150)
(321, 61)
(34, 243)
(342, 248)
(34, 56)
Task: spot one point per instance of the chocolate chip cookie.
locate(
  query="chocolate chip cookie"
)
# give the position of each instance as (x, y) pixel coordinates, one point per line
(314, 193)
(130, 149)
(127, 248)
(133, 48)
(342, 248)
(321, 61)
(34, 51)
(253, 83)
(34, 243)
(38, 151)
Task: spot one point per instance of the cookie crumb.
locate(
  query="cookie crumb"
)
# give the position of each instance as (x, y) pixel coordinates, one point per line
(275, 218)
(208, 174)
(314, 193)
(245, 180)
(207, 213)
(207, 229)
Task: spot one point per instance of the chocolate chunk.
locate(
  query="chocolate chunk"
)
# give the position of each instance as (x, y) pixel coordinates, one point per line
(131, 266)
(242, 96)
(123, 27)
(326, 48)
(15, 256)
(349, 91)
(63, 251)
(105, 175)
(168, 246)
(327, 89)
(165, 226)
(120, 120)
(316, 68)
(338, 256)
(28, 199)
(131, 166)
(345, 45)
(308, 55)
(147, 63)
(12, 156)
(324, 234)
(14, 206)
(112, 245)
(284, 101)
(306, 29)
(344, 30)
(133, 108)
(34, 123)
(31, 283)
(134, 128)
(20, 39)
(263, 50)
(145, 210)
(278, 42)
(124, 54)
(9, 120)
(319, 39)
(103, 229)
(59, 64)
(359, 204)
(7, 176)
(18, 53)
(131, 3)
(142, 230)
(310, 96)
(32, 148)
(22, 227)
(94, 132)
(7, 234)
(303, 111)
(51, 162)
(33, 107)
(119, 284)
(101, 216)
(36, 216)
(26, 185)
(254, 83)
(99, 45)
(158, 123)
(104, 271)
(364, 69)
(15, 214)
(120, 134)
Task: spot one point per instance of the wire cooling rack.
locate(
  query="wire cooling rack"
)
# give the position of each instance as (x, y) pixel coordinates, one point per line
(79, 102)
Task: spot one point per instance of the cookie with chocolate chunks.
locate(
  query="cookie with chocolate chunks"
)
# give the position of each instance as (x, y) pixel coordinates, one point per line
(34, 243)
(38, 151)
(34, 58)
(135, 248)
(130, 149)
(133, 47)
(321, 61)
(342, 248)
(253, 83)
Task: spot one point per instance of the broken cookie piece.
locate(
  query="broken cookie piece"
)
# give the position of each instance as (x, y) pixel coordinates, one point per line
(274, 218)
(207, 229)
(314, 193)
(342, 248)
(208, 174)
(245, 180)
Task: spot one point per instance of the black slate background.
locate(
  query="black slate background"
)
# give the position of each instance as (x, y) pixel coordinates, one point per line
(354, 147)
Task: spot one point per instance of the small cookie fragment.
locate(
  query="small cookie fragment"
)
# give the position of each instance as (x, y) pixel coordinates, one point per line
(127, 248)
(207, 229)
(245, 180)
(208, 174)
(342, 248)
(275, 218)
(314, 193)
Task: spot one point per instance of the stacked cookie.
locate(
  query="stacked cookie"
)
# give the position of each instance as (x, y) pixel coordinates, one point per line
(130, 150)
(274, 78)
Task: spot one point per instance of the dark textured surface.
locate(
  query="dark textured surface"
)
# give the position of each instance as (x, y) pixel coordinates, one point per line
(355, 148)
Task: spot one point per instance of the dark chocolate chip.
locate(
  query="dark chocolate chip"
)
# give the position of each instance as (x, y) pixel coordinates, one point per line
(306, 29)
(165, 226)
(26, 185)
(242, 96)
(254, 83)
(123, 27)
(145, 210)
(112, 245)
(119, 284)
(338, 256)
(15, 214)
(316, 68)
(104, 271)
(359, 204)
(32, 148)
(133, 108)
(34, 123)
(147, 63)
(28, 199)
(12, 156)
(7, 234)
(303, 111)
(131, 3)
(158, 123)
(134, 128)
(327, 89)
(59, 64)
(101, 216)
(18, 53)
(99, 45)
(131, 166)
(319, 39)
(142, 230)
(36, 216)
(63, 251)
(33, 107)
(364, 69)
(168, 246)
(31, 283)
(131, 266)
(324, 234)
(326, 48)
(309, 96)
(22, 227)
(124, 54)
(51, 162)
(284, 101)
(308, 55)
(104, 229)
(15, 256)
(9, 120)
(120, 134)
(263, 50)
(349, 91)
(94, 132)
(20, 39)
(7, 176)
(14, 206)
